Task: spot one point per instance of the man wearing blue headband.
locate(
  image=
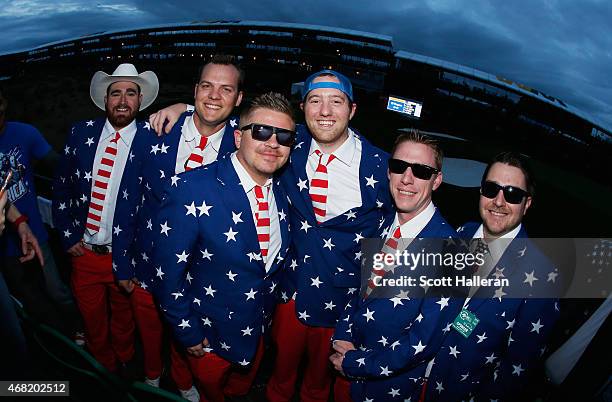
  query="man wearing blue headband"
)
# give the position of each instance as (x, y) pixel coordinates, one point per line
(338, 187)
(337, 183)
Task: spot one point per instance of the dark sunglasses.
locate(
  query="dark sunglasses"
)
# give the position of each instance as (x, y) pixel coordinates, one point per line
(419, 171)
(512, 195)
(261, 132)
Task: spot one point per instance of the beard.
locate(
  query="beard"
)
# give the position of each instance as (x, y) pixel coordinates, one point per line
(120, 119)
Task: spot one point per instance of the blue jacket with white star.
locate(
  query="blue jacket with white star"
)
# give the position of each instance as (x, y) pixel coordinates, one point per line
(73, 179)
(397, 334)
(139, 200)
(323, 268)
(495, 360)
(211, 281)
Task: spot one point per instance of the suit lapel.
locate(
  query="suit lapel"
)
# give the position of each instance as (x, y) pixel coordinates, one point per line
(227, 141)
(238, 204)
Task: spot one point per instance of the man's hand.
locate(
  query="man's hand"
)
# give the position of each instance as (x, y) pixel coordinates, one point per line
(198, 350)
(336, 359)
(167, 116)
(2, 215)
(128, 284)
(77, 250)
(29, 244)
(343, 346)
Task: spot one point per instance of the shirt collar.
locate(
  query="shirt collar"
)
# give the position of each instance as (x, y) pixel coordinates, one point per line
(345, 153)
(126, 134)
(245, 179)
(190, 133)
(414, 226)
(497, 248)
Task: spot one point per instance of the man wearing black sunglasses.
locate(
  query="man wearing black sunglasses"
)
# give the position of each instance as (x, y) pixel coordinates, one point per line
(399, 335)
(226, 237)
(496, 357)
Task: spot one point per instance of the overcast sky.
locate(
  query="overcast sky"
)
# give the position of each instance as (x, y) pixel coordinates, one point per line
(560, 47)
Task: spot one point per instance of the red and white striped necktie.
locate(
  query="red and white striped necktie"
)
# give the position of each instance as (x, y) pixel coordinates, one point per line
(390, 247)
(196, 159)
(100, 186)
(319, 185)
(263, 220)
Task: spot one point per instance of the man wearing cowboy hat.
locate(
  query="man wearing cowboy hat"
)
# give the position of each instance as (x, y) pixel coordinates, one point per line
(100, 156)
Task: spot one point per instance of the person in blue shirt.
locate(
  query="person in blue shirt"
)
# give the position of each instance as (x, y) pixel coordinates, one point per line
(20, 145)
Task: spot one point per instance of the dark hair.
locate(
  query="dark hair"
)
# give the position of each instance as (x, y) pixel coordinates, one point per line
(225, 60)
(270, 100)
(518, 161)
(418, 137)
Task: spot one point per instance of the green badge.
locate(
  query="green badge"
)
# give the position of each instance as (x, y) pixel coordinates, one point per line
(465, 322)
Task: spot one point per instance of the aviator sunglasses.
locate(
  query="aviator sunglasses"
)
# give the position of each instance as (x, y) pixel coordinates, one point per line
(419, 171)
(512, 195)
(262, 132)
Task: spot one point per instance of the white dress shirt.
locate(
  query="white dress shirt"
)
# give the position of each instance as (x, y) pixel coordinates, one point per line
(248, 184)
(190, 139)
(344, 191)
(105, 235)
(497, 247)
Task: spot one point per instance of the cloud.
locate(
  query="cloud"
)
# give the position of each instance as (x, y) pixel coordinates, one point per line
(561, 47)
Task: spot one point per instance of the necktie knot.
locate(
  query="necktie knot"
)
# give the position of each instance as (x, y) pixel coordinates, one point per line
(116, 138)
(324, 159)
(480, 247)
(203, 142)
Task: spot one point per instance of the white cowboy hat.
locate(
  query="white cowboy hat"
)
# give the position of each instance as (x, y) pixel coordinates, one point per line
(147, 81)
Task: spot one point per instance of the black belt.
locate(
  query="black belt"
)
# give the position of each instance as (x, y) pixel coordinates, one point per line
(101, 249)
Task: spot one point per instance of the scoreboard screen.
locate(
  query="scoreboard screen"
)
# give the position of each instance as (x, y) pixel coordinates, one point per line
(405, 106)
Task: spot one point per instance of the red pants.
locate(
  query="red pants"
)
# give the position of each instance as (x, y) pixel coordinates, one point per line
(95, 291)
(217, 377)
(342, 389)
(292, 339)
(151, 333)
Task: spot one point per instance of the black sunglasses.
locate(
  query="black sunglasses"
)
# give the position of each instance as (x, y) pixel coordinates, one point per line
(262, 132)
(512, 195)
(419, 171)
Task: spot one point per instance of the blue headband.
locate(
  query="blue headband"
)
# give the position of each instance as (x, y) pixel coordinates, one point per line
(343, 86)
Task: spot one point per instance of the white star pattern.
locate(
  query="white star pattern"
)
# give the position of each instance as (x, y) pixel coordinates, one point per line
(165, 228)
(182, 257)
(530, 278)
(371, 181)
(418, 348)
(369, 315)
(230, 234)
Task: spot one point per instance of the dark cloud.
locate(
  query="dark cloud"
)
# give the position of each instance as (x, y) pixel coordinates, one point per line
(561, 47)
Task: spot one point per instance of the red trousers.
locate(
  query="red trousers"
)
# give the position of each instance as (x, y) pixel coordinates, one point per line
(218, 378)
(342, 389)
(151, 331)
(107, 314)
(293, 339)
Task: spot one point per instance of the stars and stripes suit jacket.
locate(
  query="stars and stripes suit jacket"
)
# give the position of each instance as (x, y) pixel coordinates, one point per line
(211, 279)
(396, 336)
(494, 361)
(73, 179)
(140, 198)
(323, 269)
